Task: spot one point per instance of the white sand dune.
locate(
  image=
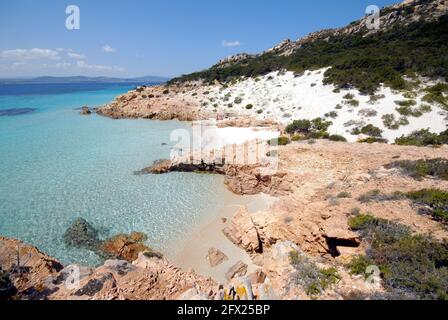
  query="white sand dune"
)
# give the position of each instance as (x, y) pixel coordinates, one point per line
(284, 96)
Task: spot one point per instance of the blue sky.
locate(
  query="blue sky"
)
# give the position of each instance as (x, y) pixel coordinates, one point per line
(154, 37)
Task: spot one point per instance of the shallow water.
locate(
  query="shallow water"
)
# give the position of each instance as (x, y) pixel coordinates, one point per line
(56, 165)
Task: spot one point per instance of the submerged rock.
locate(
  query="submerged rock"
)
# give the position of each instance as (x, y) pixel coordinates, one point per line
(215, 257)
(16, 111)
(81, 234)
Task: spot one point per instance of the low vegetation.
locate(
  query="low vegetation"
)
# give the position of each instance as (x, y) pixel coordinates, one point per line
(312, 279)
(363, 62)
(418, 169)
(373, 140)
(391, 123)
(423, 138)
(344, 195)
(433, 202)
(280, 141)
(437, 94)
(369, 130)
(411, 266)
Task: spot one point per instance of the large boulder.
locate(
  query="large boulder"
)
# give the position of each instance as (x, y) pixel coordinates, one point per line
(126, 247)
(237, 270)
(243, 233)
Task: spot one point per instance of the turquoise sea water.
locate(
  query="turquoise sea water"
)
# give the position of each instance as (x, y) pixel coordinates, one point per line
(56, 165)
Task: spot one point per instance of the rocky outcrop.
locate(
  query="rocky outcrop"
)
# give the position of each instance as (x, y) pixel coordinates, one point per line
(127, 247)
(26, 270)
(34, 275)
(237, 270)
(233, 59)
(85, 111)
(243, 233)
(82, 234)
(156, 103)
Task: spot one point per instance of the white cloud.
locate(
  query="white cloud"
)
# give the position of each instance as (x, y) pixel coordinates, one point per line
(235, 43)
(29, 54)
(108, 49)
(63, 65)
(76, 56)
(83, 65)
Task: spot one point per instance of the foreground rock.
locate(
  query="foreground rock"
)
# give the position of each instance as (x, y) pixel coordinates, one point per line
(36, 276)
(237, 270)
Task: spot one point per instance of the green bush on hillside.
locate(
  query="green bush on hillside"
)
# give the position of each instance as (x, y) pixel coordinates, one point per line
(423, 138)
(412, 266)
(356, 60)
(418, 169)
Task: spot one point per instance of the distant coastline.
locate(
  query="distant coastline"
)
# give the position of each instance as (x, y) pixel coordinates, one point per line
(82, 79)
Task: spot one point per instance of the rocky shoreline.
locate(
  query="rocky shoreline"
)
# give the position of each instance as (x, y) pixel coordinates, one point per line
(319, 189)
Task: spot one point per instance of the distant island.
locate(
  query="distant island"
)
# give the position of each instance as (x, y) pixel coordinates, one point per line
(82, 79)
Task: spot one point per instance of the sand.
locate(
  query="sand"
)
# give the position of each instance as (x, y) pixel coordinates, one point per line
(191, 252)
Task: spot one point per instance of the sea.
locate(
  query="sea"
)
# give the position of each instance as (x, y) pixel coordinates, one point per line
(57, 165)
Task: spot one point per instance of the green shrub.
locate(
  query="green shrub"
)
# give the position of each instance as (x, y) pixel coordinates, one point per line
(434, 202)
(249, 107)
(260, 111)
(371, 130)
(238, 100)
(319, 124)
(406, 103)
(300, 126)
(166, 91)
(336, 137)
(307, 275)
(409, 111)
(280, 141)
(436, 168)
(392, 123)
(344, 195)
(331, 114)
(298, 137)
(349, 96)
(373, 140)
(436, 94)
(314, 129)
(359, 264)
(412, 266)
(425, 108)
(422, 138)
(361, 221)
(353, 103)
